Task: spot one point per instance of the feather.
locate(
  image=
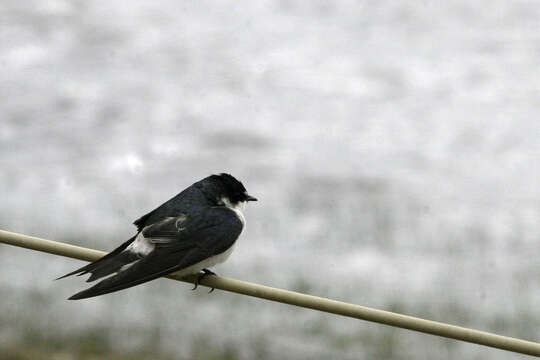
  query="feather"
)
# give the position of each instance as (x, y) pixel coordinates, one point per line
(211, 232)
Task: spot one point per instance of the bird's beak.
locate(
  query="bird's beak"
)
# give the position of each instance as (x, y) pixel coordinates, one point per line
(250, 198)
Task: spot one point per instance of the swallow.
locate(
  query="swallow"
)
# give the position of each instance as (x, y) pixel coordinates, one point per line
(186, 235)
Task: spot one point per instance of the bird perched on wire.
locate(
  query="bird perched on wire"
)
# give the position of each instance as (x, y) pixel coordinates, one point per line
(186, 235)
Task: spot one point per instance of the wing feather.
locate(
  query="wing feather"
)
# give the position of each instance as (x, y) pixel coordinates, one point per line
(199, 237)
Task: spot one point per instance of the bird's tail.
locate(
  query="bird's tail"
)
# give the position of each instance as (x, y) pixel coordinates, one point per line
(110, 263)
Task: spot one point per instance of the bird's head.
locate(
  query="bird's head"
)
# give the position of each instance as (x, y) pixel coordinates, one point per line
(226, 190)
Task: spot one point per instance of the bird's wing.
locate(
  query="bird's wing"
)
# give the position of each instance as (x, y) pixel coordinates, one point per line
(116, 259)
(185, 201)
(178, 243)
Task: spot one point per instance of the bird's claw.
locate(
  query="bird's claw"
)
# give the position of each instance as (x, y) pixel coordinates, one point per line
(205, 272)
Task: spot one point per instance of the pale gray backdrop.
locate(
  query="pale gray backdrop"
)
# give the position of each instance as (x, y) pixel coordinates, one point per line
(393, 146)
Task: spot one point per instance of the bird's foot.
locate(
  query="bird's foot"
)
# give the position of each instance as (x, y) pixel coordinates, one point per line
(205, 272)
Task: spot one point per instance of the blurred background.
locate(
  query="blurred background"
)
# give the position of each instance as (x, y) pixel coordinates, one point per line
(393, 147)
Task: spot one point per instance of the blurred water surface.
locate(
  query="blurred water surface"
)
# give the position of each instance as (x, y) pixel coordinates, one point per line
(393, 147)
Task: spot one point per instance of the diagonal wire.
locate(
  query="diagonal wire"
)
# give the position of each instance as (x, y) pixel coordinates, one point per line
(298, 299)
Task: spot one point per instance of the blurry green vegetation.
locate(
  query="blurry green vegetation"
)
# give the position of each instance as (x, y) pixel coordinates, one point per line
(202, 348)
(361, 338)
(96, 344)
(93, 343)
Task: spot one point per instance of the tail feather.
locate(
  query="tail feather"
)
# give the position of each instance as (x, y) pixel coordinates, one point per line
(122, 280)
(112, 265)
(106, 265)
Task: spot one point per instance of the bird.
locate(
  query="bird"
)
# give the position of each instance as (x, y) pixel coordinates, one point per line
(186, 235)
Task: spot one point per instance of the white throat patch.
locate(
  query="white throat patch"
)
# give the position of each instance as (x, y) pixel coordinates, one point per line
(238, 208)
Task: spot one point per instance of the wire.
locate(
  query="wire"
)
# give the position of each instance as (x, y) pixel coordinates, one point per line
(298, 299)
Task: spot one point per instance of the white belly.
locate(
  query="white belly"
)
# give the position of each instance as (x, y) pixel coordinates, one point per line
(206, 263)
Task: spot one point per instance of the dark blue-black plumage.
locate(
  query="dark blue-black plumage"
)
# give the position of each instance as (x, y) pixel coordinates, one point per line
(197, 227)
